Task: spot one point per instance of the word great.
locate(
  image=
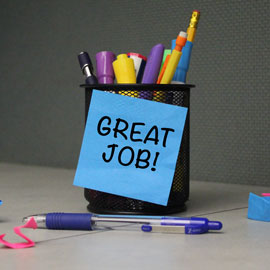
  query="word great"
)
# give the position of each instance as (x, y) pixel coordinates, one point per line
(132, 132)
(120, 128)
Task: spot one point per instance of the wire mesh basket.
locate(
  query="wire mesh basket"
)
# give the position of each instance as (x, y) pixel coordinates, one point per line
(175, 94)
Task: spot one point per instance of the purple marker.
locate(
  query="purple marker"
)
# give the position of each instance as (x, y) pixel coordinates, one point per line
(152, 68)
(105, 73)
(153, 64)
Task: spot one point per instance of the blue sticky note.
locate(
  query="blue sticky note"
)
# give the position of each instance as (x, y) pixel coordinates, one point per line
(130, 147)
(258, 207)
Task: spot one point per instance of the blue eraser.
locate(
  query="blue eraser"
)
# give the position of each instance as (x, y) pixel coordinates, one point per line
(258, 208)
(0, 202)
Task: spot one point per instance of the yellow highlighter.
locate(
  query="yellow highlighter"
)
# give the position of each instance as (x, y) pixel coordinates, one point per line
(124, 71)
(174, 59)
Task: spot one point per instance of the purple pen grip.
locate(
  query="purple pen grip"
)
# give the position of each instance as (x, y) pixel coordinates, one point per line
(66, 221)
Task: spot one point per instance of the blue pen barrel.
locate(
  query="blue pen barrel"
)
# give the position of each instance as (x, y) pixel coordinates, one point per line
(68, 221)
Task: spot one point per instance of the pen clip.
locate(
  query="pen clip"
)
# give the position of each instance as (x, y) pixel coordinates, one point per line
(185, 229)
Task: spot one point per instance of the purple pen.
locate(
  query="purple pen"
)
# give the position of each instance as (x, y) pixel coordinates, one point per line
(152, 68)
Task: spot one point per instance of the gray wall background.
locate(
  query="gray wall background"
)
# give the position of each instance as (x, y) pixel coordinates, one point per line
(42, 106)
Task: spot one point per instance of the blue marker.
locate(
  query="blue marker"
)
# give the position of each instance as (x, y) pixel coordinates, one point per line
(87, 221)
(180, 74)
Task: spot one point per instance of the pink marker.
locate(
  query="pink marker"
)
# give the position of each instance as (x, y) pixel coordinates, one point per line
(266, 194)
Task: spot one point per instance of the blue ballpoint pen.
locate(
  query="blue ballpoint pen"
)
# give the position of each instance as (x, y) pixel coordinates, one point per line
(88, 221)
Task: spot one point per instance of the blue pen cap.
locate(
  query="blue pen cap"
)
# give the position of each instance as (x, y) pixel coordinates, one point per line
(208, 224)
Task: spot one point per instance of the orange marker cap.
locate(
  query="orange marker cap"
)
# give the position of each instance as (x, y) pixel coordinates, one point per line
(180, 41)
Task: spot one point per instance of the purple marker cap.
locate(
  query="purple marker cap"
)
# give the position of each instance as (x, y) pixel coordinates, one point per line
(152, 68)
(105, 73)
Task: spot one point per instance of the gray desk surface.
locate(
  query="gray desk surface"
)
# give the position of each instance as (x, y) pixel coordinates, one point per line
(24, 190)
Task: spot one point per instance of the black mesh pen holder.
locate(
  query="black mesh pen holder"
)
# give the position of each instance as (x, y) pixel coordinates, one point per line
(105, 203)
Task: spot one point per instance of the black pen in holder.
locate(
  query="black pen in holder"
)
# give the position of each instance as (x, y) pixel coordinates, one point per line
(87, 68)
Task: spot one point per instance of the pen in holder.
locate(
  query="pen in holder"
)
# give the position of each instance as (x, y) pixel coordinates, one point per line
(105, 203)
(104, 62)
(125, 73)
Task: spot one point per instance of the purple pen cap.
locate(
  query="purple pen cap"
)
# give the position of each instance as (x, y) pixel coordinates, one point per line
(153, 63)
(105, 73)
